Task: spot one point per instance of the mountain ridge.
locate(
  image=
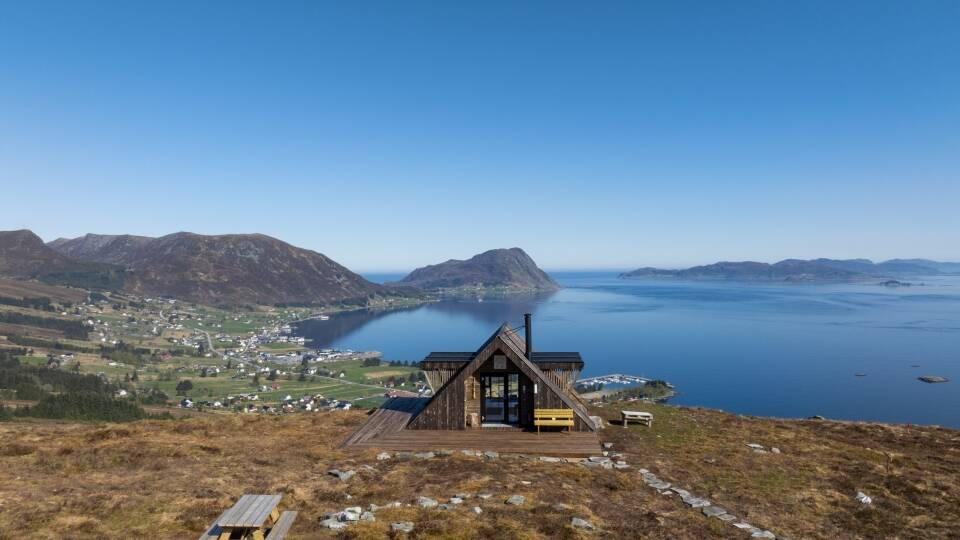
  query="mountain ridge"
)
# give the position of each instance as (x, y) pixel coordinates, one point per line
(224, 269)
(23, 255)
(511, 269)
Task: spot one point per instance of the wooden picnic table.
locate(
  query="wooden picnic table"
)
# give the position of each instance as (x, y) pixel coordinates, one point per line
(644, 418)
(251, 517)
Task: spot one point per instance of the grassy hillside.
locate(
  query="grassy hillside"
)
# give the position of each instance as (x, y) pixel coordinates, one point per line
(168, 479)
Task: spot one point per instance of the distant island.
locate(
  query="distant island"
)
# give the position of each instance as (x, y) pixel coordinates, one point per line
(498, 270)
(804, 271)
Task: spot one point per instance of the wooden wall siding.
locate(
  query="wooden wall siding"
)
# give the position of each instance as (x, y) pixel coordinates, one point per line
(437, 378)
(562, 378)
(471, 398)
(447, 408)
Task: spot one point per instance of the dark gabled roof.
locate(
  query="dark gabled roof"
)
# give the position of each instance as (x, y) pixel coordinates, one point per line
(465, 356)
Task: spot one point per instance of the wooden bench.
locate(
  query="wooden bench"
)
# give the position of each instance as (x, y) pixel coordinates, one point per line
(645, 418)
(280, 528)
(552, 417)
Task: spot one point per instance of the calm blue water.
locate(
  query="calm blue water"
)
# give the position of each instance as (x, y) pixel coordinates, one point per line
(772, 350)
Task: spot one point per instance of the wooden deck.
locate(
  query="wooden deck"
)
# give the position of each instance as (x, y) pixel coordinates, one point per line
(384, 430)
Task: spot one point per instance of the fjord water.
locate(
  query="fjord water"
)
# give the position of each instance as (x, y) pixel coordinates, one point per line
(764, 349)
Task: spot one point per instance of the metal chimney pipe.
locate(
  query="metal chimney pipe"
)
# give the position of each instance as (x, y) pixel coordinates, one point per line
(528, 334)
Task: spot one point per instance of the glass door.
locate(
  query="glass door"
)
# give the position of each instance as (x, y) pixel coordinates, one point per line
(493, 393)
(513, 398)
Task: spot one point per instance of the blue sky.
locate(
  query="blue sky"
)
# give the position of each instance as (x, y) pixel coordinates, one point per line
(396, 134)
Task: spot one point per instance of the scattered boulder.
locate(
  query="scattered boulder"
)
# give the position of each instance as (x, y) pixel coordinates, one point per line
(402, 526)
(516, 500)
(332, 523)
(863, 498)
(775, 450)
(763, 534)
(607, 445)
(456, 500)
(427, 502)
(548, 459)
(424, 455)
(349, 515)
(490, 454)
(713, 511)
(580, 523)
(367, 516)
(484, 496)
(342, 475)
(383, 456)
(755, 446)
(477, 510)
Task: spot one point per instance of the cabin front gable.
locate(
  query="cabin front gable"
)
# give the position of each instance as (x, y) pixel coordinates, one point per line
(457, 403)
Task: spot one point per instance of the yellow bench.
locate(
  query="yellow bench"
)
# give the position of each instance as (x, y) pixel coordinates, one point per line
(552, 417)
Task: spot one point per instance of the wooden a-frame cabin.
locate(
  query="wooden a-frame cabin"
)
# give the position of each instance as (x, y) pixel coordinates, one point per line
(495, 398)
(500, 385)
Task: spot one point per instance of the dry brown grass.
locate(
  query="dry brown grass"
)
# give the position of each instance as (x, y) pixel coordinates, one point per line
(169, 479)
(13, 288)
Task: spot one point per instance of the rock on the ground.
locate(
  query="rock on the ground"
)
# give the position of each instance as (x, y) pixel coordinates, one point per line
(477, 510)
(348, 516)
(490, 454)
(549, 459)
(755, 446)
(402, 526)
(342, 475)
(606, 446)
(427, 502)
(763, 534)
(332, 523)
(456, 500)
(863, 498)
(383, 455)
(424, 455)
(775, 450)
(516, 500)
(484, 496)
(367, 516)
(581, 523)
(713, 511)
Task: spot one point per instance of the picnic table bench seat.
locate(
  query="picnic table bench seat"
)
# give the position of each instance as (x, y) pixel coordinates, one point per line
(553, 417)
(280, 528)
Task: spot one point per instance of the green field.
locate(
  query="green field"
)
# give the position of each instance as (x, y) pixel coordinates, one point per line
(357, 382)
